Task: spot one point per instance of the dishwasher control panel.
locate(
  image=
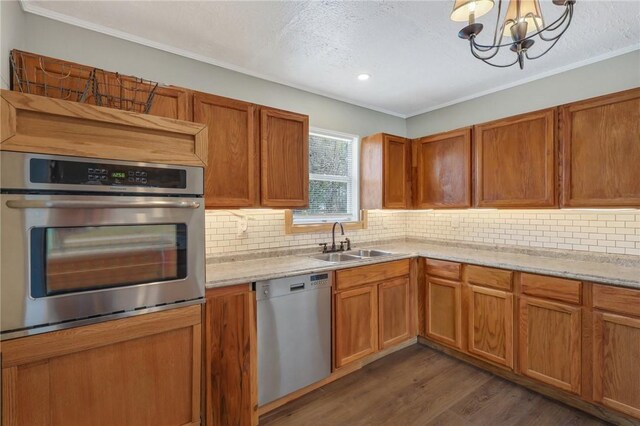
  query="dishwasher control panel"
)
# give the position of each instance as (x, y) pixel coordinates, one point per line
(285, 286)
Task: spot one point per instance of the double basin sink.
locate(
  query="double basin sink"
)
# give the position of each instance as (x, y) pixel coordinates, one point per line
(350, 256)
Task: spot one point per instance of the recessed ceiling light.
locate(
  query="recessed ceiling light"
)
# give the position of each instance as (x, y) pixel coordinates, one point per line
(364, 77)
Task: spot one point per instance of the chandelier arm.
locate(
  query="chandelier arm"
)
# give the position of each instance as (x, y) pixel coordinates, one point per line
(557, 36)
(495, 33)
(543, 53)
(498, 65)
(482, 46)
(568, 11)
(483, 58)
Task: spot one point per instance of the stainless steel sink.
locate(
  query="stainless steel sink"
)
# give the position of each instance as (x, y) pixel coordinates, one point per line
(369, 253)
(336, 257)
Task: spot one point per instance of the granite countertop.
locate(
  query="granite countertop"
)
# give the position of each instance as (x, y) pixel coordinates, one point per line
(596, 269)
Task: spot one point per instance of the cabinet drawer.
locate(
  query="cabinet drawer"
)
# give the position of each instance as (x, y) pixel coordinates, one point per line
(444, 269)
(353, 277)
(489, 277)
(552, 288)
(616, 299)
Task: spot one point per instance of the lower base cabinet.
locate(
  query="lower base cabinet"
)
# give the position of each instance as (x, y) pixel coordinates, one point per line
(550, 343)
(356, 324)
(444, 311)
(395, 312)
(616, 362)
(143, 370)
(231, 364)
(490, 322)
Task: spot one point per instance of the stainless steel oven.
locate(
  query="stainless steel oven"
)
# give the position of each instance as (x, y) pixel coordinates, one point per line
(85, 240)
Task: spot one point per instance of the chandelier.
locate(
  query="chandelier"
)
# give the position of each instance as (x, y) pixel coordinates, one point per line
(523, 23)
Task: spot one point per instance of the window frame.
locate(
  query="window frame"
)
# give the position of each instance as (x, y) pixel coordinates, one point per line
(358, 219)
(354, 197)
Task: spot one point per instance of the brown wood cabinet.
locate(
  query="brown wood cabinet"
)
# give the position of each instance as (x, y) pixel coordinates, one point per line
(616, 348)
(600, 140)
(172, 102)
(515, 161)
(140, 370)
(31, 123)
(395, 312)
(550, 343)
(231, 375)
(356, 324)
(385, 172)
(444, 311)
(372, 310)
(232, 174)
(443, 170)
(489, 314)
(284, 150)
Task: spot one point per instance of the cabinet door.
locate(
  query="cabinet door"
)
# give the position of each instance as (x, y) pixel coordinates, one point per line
(515, 161)
(284, 144)
(396, 166)
(143, 370)
(230, 357)
(601, 151)
(444, 170)
(616, 345)
(491, 324)
(550, 339)
(172, 102)
(444, 311)
(394, 316)
(231, 175)
(356, 325)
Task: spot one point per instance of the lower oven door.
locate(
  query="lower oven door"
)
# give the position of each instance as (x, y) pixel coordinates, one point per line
(73, 257)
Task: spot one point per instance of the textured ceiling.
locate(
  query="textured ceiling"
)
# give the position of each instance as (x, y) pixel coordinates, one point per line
(411, 49)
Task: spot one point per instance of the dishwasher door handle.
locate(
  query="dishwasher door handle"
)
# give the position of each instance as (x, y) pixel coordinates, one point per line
(296, 287)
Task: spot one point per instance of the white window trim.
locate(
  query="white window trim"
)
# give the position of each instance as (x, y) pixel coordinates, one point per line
(354, 197)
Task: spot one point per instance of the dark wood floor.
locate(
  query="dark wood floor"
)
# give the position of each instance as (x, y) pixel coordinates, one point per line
(419, 386)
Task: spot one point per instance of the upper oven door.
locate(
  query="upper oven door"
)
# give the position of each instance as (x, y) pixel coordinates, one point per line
(70, 257)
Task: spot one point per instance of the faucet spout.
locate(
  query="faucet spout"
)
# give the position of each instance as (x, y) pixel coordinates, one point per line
(333, 235)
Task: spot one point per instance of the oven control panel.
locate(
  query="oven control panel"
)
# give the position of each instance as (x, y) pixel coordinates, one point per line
(90, 173)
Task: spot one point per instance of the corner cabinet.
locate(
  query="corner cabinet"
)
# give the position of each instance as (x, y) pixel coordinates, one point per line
(385, 172)
(443, 170)
(515, 161)
(140, 370)
(600, 140)
(284, 150)
(230, 354)
(232, 173)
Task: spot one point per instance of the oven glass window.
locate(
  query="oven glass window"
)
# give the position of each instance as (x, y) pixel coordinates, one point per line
(76, 259)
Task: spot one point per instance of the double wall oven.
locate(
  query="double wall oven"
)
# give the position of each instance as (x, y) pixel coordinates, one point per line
(85, 240)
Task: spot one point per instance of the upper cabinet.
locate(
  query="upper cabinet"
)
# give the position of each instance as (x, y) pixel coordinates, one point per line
(600, 140)
(515, 161)
(172, 102)
(385, 172)
(284, 151)
(443, 170)
(232, 175)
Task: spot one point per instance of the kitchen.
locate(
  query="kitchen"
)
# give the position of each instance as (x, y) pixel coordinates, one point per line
(491, 214)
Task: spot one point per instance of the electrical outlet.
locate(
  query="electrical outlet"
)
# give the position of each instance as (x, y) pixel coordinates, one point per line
(243, 227)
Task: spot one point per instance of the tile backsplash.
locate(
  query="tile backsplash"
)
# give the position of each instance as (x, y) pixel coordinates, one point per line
(265, 230)
(613, 232)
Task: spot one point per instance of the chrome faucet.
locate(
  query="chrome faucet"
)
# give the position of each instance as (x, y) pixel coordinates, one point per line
(333, 235)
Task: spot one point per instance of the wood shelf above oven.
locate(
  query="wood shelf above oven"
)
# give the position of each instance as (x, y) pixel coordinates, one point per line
(37, 124)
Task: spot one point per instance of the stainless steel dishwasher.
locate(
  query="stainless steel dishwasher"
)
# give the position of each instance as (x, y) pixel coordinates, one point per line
(294, 334)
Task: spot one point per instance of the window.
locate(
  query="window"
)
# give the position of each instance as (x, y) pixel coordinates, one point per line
(333, 179)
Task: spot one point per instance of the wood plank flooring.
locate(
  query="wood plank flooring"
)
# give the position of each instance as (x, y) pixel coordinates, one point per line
(420, 386)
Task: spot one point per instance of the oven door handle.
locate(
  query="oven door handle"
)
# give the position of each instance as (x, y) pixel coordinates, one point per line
(72, 204)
